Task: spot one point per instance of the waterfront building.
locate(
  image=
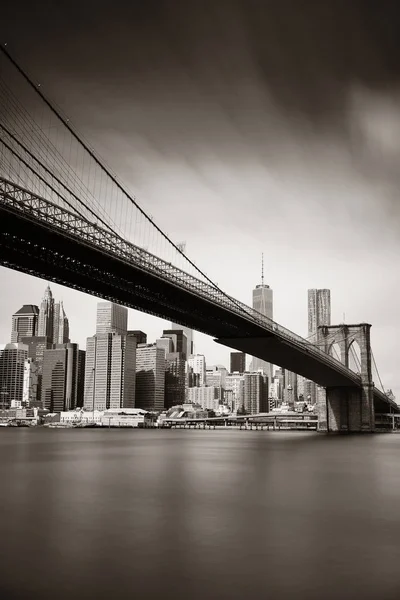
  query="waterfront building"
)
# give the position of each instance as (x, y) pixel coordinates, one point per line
(76, 417)
(238, 362)
(110, 361)
(150, 377)
(110, 371)
(24, 323)
(255, 393)
(127, 417)
(60, 377)
(12, 361)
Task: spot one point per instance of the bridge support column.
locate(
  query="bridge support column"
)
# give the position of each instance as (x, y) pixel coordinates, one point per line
(348, 408)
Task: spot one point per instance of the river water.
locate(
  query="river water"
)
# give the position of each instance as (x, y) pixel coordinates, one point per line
(198, 514)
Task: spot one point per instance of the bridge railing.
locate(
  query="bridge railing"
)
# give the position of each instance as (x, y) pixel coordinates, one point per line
(17, 198)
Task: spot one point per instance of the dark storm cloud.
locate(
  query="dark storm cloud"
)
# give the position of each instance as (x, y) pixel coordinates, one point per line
(306, 53)
(230, 78)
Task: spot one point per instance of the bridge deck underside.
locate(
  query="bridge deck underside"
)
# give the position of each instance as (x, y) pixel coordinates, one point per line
(276, 351)
(32, 247)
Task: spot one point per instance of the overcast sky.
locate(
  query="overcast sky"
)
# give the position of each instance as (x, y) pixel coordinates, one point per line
(242, 127)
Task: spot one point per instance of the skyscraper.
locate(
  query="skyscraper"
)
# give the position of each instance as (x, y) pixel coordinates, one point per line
(141, 337)
(12, 361)
(150, 377)
(110, 371)
(36, 346)
(319, 310)
(60, 377)
(174, 379)
(110, 361)
(262, 303)
(179, 339)
(255, 393)
(189, 336)
(46, 315)
(24, 322)
(111, 318)
(290, 393)
(197, 362)
(81, 378)
(238, 362)
(60, 325)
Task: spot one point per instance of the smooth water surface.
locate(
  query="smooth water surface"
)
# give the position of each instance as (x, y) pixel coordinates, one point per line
(198, 514)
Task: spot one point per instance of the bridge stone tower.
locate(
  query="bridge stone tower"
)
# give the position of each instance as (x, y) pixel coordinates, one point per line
(348, 408)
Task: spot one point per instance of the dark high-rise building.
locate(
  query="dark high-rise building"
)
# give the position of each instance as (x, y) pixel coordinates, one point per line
(255, 393)
(179, 339)
(150, 377)
(189, 336)
(36, 347)
(174, 379)
(81, 378)
(24, 323)
(60, 377)
(238, 362)
(12, 360)
(141, 337)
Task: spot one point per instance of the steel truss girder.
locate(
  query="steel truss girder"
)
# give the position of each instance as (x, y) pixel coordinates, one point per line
(22, 202)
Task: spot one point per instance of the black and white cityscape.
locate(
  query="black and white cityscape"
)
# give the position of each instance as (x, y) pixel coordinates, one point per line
(123, 379)
(199, 282)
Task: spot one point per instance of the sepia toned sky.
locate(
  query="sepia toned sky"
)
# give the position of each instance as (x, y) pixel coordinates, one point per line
(242, 127)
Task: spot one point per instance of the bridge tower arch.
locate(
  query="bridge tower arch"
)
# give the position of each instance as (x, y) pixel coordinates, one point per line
(348, 408)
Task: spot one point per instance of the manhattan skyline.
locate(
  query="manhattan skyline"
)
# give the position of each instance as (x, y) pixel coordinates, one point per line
(306, 178)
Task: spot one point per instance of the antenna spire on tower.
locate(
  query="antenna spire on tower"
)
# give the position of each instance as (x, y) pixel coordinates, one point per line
(262, 268)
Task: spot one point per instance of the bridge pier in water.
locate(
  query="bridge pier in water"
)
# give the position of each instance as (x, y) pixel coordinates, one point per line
(348, 409)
